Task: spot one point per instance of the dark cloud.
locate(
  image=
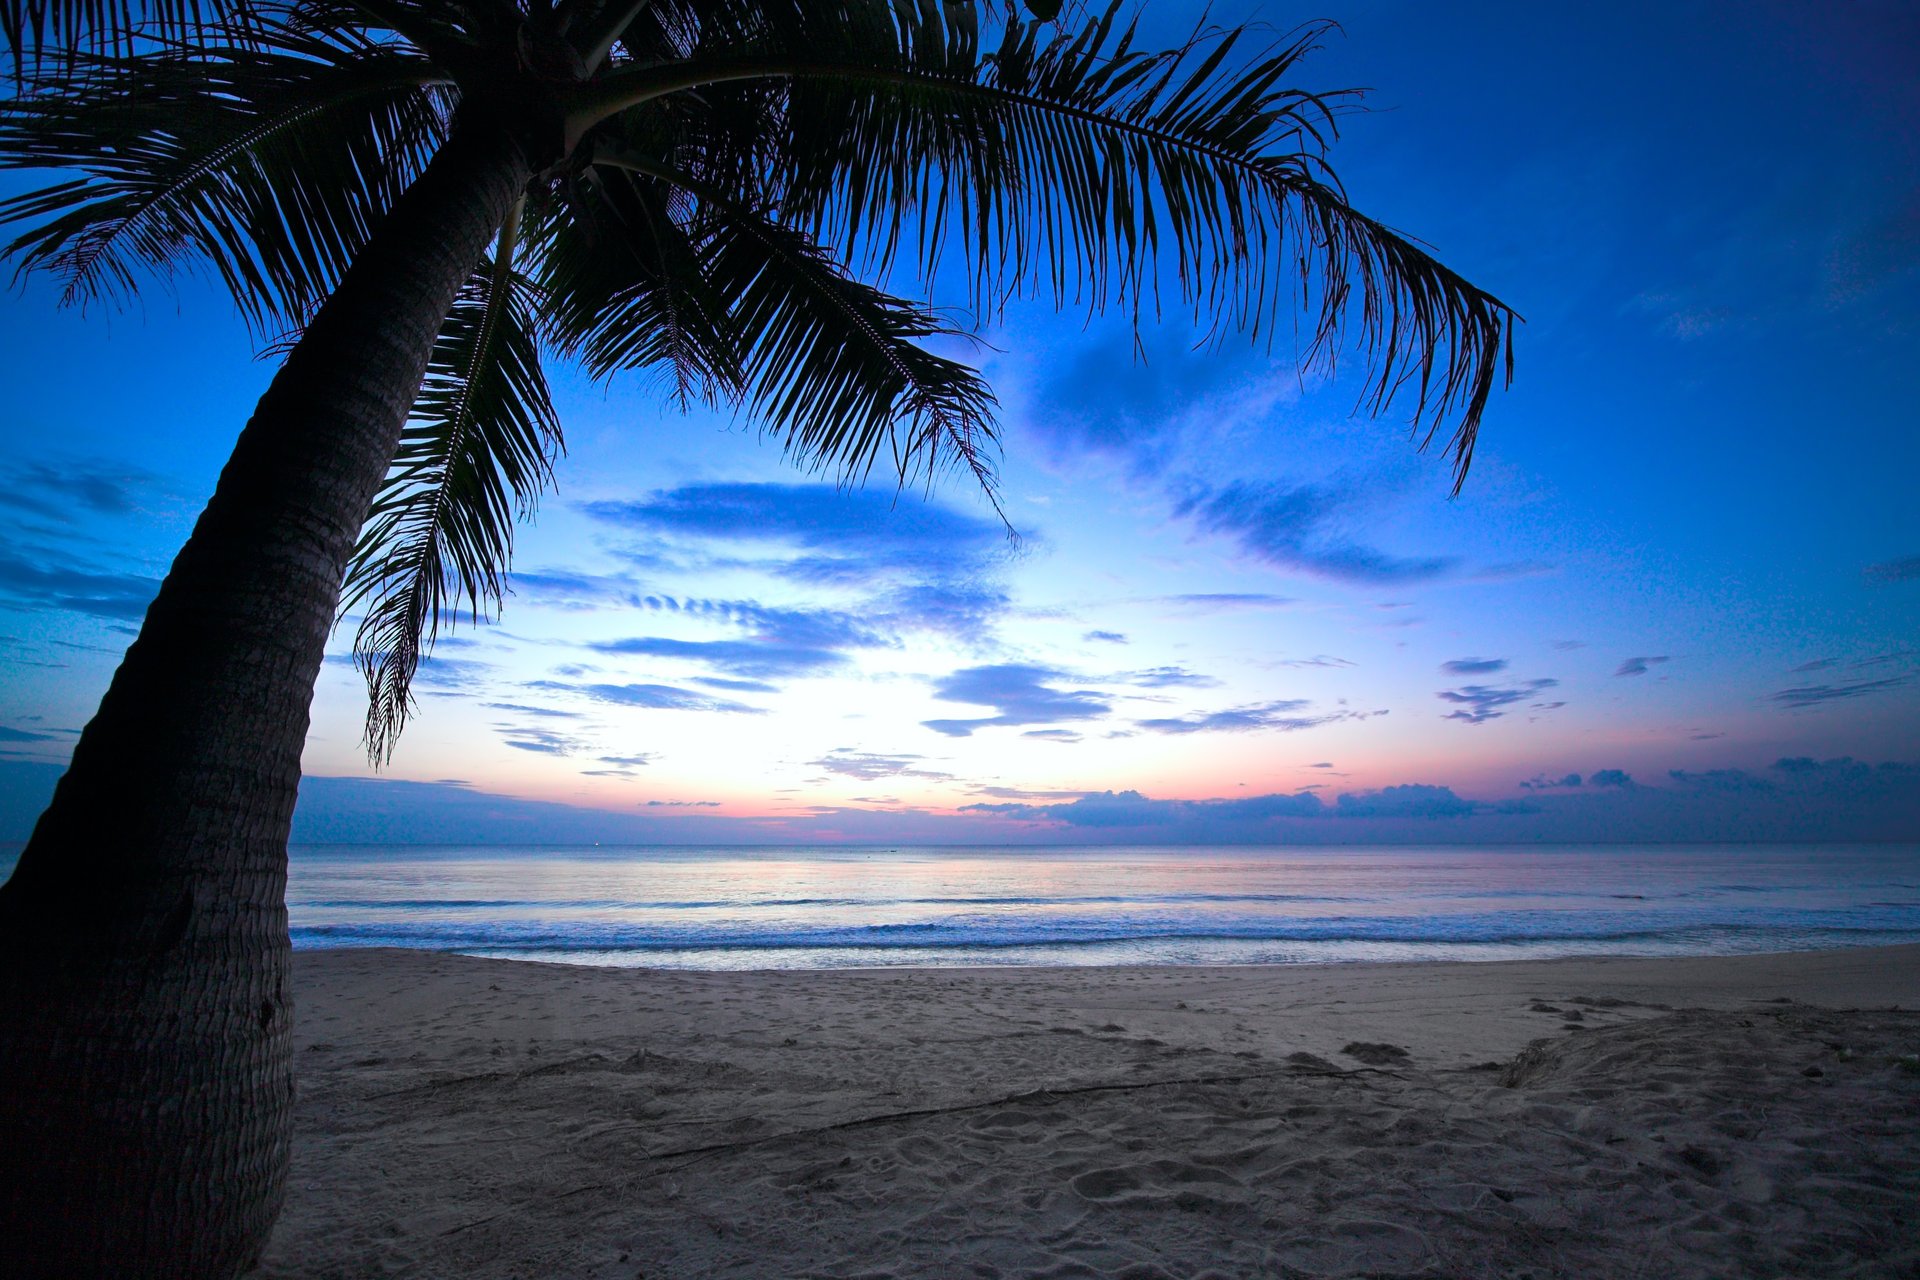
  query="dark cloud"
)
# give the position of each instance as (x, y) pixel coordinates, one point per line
(1568, 646)
(523, 709)
(62, 584)
(1720, 780)
(630, 762)
(1611, 778)
(749, 658)
(1540, 782)
(1109, 637)
(1021, 693)
(1318, 660)
(1409, 800)
(1300, 528)
(1124, 809)
(1818, 664)
(1814, 695)
(1639, 666)
(868, 767)
(1474, 666)
(656, 697)
(681, 804)
(1906, 570)
(70, 488)
(1283, 715)
(8, 734)
(1479, 703)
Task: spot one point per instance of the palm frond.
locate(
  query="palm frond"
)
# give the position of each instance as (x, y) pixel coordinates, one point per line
(627, 289)
(1069, 161)
(475, 456)
(268, 165)
(47, 32)
(834, 366)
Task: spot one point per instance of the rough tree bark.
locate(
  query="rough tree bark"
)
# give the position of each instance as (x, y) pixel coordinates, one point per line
(146, 1078)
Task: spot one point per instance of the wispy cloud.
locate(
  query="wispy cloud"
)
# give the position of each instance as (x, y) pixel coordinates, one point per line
(818, 533)
(1904, 570)
(1020, 693)
(1639, 666)
(1172, 677)
(868, 766)
(1300, 528)
(1286, 715)
(1106, 637)
(1479, 703)
(1228, 601)
(655, 697)
(54, 581)
(1474, 666)
(1814, 695)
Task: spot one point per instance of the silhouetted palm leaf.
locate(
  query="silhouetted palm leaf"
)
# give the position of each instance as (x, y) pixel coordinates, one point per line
(475, 457)
(269, 165)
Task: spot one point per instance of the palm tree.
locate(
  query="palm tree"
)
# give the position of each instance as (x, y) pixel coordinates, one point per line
(418, 199)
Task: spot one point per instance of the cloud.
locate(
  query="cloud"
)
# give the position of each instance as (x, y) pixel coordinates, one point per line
(1814, 695)
(1021, 693)
(868, 767)
(1611, 778)
(1116, 397)
(1130, 809)
(61, 491)
(780, 641)
(1540, 782)
(523, 709)
(656, 697)
(1053, 735)
(1409, 800)
(1109, 637)
(1474, 666)
(681, 804)
(1297, 528)
(830, 534)
(1480, 703)
(8, 734)
(1170, 678)
(1283, 715)
(736, 686)
(59, 583)
(1639, 666)
(1720, 780)
(540, 741)
(1906, 570)
(1319, 660)
(630, 762)
(1228, 601)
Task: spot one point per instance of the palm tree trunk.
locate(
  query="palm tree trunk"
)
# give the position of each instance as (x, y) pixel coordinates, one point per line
(146, 1077)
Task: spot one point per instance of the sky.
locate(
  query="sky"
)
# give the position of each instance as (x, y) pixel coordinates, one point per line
(1678, 598)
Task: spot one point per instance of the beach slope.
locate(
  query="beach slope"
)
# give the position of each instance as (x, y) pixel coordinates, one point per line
(1752, 1116)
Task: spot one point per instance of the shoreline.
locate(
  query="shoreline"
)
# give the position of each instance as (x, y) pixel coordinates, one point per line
(461, 1116)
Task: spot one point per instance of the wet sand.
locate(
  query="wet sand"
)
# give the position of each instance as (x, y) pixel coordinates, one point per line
(1729, 1116)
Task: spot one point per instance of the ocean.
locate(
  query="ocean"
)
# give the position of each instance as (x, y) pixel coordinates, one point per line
(814, 908)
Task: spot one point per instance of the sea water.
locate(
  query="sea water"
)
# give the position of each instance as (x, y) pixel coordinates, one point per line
(731, 908)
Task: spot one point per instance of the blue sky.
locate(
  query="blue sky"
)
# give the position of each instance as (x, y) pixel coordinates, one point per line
(1685, 570)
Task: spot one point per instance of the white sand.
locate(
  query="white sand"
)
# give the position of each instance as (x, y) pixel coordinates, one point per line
(1673, 1118)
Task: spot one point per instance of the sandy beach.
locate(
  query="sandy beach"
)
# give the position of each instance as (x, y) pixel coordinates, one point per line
(1733, 1116)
